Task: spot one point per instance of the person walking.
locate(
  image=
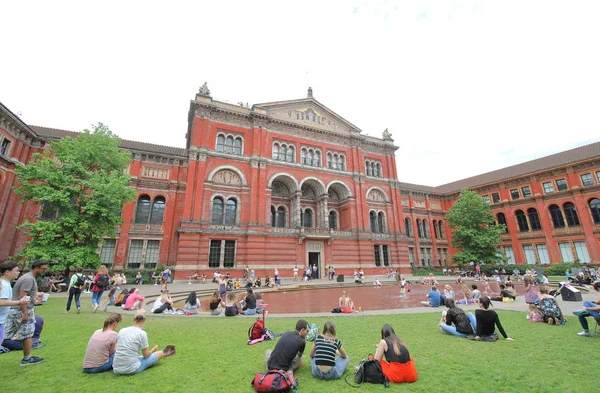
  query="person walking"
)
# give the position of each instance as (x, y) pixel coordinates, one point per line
(75, 287)
(101, 282)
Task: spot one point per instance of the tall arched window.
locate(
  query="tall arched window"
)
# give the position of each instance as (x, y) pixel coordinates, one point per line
(273, 216)
(303, 156)
(522, 221)
(158, 211)
(317, 159)
(534, 219)
(230, 212)
(425, 229)
(419, 229)
(217, 211)
(332, 220)
(502, 220)
(282, 152)
(290, 154)
(373, 220)
(309, 157)
(275, 153)
(557, 217)
(381, 222)
(281, 216)
(142, 211)
(229, 144)
(329, 163)
(342, 163)
(408, 227)
(221, 143)
(435, 229)
(441, 229)
(595, 210)
(378, 170)
(237, 146)
(307, 218)
(571, 214)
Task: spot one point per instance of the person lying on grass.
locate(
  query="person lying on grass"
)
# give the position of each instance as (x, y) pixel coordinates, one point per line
(130, 341)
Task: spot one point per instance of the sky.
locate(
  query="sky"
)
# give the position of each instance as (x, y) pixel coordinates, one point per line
(465, 87)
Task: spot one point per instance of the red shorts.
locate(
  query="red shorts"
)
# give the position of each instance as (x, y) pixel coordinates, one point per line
(399, 372)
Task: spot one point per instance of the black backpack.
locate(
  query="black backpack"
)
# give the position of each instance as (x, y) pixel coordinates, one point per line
(103, 281)
(369, 370)
(80, 280)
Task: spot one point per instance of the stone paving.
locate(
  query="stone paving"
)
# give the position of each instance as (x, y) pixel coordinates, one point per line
(181, 288)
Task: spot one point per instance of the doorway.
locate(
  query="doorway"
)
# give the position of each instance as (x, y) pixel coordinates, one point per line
(313, 259)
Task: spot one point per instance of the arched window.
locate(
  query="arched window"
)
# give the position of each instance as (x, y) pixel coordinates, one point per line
(522, 221)
(221, 143)
(275, 154)
(309, 157)
(534, 219)
(230, 212)
(378, 170)
(557, 217)
(435, 229)
(303, 156)
(273, 217)
(408, 227)
(142, 211)
(158, 211)
(571, 214)
(317, 159)
(342, 163)
(237, 146)
(373, 220)
(281, 217)
(332, 220)
(502, 220)
(283, 152)
(373, 173)
(441, 229)
(229, 144)
(381, 222)
(217, 211)
(425, 229)
(307, 218)
(595, 210)
(419, 229)
(290, 154)
(329, 163)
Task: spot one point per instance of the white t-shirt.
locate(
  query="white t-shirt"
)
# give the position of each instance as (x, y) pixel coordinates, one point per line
(157, 304)
(6, 294)
(129, 343)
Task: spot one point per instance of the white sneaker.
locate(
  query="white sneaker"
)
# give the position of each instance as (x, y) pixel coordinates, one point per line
(584, 333)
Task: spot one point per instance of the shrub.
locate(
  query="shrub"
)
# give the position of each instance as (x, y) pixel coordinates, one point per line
(425, 270)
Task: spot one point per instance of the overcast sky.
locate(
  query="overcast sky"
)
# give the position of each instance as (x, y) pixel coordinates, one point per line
(464, 87)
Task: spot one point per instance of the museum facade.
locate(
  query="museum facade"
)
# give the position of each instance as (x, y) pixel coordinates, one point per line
(292, 183)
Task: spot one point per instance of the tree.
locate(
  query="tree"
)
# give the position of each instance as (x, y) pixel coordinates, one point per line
(474, 231)
(81, 184)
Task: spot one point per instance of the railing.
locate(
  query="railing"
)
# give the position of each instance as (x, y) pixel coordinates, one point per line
(567, 231)
(312, 231)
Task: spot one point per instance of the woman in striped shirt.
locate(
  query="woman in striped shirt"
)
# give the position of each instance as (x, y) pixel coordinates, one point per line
(323, 361)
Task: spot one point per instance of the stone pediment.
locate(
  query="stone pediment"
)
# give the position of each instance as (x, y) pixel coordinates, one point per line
(309, 112)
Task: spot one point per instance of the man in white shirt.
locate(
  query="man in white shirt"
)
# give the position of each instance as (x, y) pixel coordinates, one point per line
(9, 272)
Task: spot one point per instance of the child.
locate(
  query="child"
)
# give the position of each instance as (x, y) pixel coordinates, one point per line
(237, 283)
(476, 293)
(259, 302)
(534, 314)
(111, 300)
(402, 286)
(376, 283)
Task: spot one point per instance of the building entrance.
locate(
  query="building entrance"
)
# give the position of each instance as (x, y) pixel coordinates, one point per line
(314, 260)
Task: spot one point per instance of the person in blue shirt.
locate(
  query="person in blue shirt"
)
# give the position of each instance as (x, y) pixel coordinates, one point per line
(435, 298)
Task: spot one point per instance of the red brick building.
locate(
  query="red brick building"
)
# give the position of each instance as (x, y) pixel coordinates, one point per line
(292, 183)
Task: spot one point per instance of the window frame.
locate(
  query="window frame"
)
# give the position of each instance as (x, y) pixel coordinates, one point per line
(548, 187)
(560, 186)
(526, 191)
(514, 194)
(495, 197)
(589, 179)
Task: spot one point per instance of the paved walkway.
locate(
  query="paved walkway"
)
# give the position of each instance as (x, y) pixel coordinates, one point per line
(181, 288)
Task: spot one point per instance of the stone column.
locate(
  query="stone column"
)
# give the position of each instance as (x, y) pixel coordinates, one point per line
(295, 209)
(324, 211)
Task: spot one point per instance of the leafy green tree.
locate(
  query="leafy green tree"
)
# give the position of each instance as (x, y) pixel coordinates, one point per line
(474, 231)
(81, 184)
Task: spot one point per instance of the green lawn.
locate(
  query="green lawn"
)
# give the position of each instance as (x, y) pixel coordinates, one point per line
(212, 356)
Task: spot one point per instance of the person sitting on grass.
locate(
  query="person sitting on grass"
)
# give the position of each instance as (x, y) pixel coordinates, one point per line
(249, 303)
(287, 354)
(504, 296)
(535, 315)
(100, 350)
(192, 304)
(231, 308)
(456, 322)
(590, 309)
(216, 304)
(163, 303)
(467, 295)
(323, 361)
(486, 321)
(130, 341)
(548, 305)
(134, 300)
(398, 366)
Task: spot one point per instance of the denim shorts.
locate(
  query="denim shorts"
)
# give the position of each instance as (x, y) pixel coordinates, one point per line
(146, 363)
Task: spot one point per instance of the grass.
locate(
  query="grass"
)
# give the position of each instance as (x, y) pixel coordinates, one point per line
(212, 355)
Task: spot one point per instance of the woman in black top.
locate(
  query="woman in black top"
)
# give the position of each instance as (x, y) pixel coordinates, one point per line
(456, 322)
(397, 366)
(486, 321)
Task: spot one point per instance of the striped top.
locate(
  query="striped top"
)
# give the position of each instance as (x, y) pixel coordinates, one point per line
(325, 350)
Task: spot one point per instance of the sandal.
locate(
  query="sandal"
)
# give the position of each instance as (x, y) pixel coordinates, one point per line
(169, 350)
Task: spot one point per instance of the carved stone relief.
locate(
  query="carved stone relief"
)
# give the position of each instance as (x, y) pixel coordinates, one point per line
(418, 203)
(227, 177)
(376, 196)
(155, 173)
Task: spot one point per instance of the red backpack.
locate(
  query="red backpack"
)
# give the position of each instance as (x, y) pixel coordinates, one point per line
(256, 330)
(275, 381)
